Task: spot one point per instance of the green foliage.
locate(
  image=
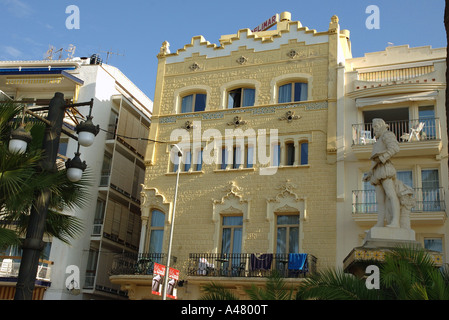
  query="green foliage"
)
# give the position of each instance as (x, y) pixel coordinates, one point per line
(21, 180)
(408, 273)
(215, 291)
(335, 285)
(275, 289)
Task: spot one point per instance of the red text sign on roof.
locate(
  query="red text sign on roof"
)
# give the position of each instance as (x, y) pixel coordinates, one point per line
(267, 24)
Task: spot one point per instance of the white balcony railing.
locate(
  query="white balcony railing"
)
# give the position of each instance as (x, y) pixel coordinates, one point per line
(9, 267)
(427, 200)
(405, 131)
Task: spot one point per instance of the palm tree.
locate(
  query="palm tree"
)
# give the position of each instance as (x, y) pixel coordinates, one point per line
(335, 285)
(21, 180)
(275, 289)
(408, 273)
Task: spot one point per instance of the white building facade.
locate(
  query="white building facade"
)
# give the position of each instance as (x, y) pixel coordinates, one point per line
(405, 87)
(111, 219)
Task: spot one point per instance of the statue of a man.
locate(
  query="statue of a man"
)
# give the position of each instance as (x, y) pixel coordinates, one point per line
(383, 175)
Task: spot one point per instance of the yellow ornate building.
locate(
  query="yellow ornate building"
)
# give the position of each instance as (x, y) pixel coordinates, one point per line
(257, 186)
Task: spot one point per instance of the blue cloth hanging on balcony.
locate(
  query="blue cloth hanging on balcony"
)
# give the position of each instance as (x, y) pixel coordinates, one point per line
(297, 261)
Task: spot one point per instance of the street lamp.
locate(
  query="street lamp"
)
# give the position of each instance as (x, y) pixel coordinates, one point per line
(33, 244)
(86, 131)
(19, 140)
(167, 268)
(75, 167)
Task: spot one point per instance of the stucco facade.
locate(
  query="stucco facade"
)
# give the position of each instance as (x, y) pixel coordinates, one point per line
(405, 87)
(303, 185)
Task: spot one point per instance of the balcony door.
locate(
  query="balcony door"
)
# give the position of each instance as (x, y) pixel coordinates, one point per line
(287, 234)
(430, 190)
(231, 243)
(156, 233)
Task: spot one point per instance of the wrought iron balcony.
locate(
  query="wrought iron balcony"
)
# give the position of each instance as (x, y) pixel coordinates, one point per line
(427, 129)
(138, 263)
(251, 265)
(427, 200)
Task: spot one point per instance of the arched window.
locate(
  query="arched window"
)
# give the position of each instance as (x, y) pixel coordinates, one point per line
(292, 92)
(193, 102)
(290, 153)
(304, 153)
(156, 232)
(241, 97)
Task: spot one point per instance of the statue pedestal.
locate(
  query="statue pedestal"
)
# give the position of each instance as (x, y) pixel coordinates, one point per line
(378, 241)
(387, 237)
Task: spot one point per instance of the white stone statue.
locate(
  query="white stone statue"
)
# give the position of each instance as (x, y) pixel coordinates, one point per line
(383, 174)
(394, 198)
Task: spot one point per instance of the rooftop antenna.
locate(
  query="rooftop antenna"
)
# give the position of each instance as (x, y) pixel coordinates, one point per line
(60, 53)
(71, 51)
(49, 54)
(110, 52)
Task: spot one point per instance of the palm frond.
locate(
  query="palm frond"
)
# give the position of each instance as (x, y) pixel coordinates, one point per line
(215, 291)
(8, 238)
(62, 226)
(335, 285)
(274, 289)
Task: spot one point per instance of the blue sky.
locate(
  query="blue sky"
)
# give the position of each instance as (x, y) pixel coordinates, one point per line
(135, 29)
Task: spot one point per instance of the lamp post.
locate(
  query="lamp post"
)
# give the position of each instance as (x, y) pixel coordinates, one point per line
(167, 268)
(33, 243)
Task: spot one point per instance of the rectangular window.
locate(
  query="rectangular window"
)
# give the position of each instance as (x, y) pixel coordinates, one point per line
(200, 102)
(237, 154)
(193, 103)
(292, 92)
(199, 160)
(156, 231)
(241, 97)
(224, 159)
(186, 105)
(287, 233)
(187, 158)
(249, 161)
(276, 155)
(406, 177)
(434, 244)
(106, 170)
(304, 153)
(300, 93)
(285, 93)
(175, 162)
(427, 118)
(231, 241)
(99, 211)
(290, 150)
(430, 190)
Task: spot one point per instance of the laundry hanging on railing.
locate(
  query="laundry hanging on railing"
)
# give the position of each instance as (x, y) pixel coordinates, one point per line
(261, 262)
(297, 261)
